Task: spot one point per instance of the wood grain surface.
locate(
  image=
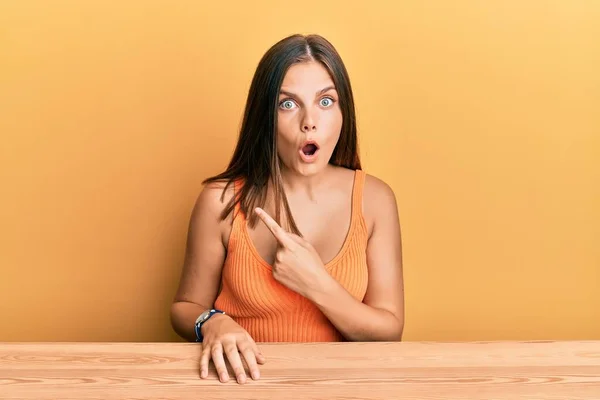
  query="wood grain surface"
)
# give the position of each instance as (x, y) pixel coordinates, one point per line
(408, 370)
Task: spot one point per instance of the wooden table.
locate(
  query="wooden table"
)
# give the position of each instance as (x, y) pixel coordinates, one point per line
(408, 370)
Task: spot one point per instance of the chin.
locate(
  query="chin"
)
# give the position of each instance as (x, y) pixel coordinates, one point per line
(310, 169)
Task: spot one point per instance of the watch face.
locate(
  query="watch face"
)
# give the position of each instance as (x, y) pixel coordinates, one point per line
(203, 316)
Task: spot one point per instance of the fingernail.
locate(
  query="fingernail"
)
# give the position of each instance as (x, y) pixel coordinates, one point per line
(223, 377)
(203, 374)
(242, 378)
(255, 375)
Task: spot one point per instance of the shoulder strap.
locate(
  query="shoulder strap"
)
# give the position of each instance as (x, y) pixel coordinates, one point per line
(357, 192)
(237, 187)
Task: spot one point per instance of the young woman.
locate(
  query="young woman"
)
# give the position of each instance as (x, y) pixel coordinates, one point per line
(293, 242)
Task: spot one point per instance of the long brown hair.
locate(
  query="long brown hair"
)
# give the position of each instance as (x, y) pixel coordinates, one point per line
(255, 158)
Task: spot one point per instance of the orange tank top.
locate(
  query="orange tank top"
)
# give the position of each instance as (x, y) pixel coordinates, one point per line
(271, 312)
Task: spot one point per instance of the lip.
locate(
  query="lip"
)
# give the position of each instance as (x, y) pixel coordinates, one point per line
(309, 158)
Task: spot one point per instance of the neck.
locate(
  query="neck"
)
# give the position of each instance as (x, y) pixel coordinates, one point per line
(294, 182)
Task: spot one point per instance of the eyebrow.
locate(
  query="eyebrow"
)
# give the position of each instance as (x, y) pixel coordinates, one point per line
(328, 88)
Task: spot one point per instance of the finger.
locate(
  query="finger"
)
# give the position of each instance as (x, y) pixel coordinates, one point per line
(259, 355)
(298, 239)
(219, 361)
(236, 362)
(280, 234)
(204, 360)
(250, 358)
(260, 358)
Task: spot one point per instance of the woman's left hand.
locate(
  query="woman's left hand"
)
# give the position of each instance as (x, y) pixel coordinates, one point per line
(297, 264)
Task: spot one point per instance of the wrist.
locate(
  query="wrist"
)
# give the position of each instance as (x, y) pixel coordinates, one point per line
(202, 320)
(217, 317)
(321, 291)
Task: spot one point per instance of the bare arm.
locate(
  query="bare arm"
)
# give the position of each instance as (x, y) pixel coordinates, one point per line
(199, 287)
(204, 258)
(381, 315)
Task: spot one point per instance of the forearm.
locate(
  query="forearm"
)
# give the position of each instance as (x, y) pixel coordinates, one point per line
(183, 318)
(355, 320)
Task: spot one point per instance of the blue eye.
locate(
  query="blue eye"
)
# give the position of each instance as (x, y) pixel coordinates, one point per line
(286, 104)
(326, 102)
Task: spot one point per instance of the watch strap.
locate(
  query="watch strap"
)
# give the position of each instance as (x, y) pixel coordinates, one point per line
(200, 322)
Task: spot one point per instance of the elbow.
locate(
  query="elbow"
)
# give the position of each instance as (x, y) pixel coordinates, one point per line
(399, 335)
(394, 336)
(173, 317)
(398, 330)
(177, 320)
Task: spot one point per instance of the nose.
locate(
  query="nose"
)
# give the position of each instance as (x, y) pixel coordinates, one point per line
(309, 122)
(308, 128)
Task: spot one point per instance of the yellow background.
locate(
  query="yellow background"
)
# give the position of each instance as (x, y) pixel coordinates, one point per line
(482, 116)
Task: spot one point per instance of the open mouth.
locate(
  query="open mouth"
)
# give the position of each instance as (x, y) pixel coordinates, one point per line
(310, 149)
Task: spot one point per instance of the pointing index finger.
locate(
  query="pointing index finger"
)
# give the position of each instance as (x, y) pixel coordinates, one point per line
(277, 231)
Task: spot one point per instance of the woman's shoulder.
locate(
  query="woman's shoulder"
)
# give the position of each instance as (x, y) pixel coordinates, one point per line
(377, 189)
(374, 189)
(214, 198)
(379, 201)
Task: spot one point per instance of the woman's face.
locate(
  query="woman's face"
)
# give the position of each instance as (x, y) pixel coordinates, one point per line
(309, 119)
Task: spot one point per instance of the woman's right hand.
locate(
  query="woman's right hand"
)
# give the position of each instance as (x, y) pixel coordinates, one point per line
(223, 336)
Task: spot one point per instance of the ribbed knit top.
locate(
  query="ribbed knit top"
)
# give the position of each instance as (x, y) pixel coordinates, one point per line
(271, 312)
